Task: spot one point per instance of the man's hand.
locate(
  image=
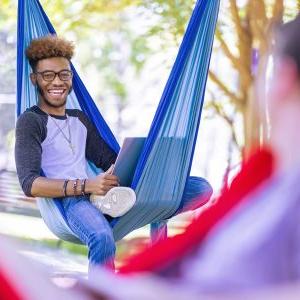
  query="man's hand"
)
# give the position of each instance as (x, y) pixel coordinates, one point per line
(102, 183)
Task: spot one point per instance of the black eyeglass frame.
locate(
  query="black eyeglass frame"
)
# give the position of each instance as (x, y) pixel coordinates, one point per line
(55, 74)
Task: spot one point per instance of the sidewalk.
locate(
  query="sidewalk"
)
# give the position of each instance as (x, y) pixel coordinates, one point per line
(39, 244)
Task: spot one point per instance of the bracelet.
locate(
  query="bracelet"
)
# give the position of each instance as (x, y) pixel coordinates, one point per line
(65, 187)
(83, 187)
(75, 186)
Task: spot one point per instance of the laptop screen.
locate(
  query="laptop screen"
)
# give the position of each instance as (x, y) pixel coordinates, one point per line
(127, 159)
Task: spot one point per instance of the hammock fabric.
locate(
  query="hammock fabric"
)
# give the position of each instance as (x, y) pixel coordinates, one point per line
(171, 251)
(170, 144)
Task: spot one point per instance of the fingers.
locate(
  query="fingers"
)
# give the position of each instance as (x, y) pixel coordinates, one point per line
(105, 182)
(103, 189)
(109, 177)
(111, 183)
(110, 180)
(110, 170)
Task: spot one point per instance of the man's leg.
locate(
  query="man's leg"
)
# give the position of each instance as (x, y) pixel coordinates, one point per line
(197, 192)
(92, 228)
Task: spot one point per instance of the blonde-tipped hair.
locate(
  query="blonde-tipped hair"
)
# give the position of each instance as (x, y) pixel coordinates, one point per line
(47, 47)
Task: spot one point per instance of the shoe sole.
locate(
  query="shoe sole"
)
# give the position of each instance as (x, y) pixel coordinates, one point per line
(116, 203)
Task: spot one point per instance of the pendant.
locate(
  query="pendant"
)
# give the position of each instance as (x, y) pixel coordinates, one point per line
(72, 148)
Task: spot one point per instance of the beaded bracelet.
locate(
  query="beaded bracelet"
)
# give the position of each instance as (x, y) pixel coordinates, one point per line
(65, 187)
(83, 187)
(75, 186)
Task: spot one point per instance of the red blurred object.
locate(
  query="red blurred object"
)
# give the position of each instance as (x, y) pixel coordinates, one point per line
(7, 290)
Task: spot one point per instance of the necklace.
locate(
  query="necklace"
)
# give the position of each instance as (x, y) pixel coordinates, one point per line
(68, 139)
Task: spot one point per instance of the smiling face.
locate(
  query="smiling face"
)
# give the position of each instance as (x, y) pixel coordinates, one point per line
(52, 94)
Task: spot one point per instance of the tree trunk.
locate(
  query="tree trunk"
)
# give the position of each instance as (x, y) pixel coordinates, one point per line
(253, 28)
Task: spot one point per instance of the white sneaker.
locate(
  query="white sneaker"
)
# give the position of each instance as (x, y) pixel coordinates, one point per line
(117, 202)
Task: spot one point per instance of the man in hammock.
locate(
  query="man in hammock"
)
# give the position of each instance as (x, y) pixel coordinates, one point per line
(57, 141)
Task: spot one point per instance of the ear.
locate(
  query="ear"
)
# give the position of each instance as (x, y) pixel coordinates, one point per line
(33, 78)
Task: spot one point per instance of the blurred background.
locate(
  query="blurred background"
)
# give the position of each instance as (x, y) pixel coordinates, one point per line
(124, 52)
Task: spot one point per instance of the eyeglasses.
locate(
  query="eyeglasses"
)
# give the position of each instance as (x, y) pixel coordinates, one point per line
(63, 75)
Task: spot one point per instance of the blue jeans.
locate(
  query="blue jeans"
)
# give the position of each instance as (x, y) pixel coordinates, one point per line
(94, 230)
(197, 192)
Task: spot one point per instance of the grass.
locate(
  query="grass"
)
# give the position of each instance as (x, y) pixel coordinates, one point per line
(125, 248)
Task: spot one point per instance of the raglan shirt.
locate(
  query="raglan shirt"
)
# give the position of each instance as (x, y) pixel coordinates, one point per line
(42, 146)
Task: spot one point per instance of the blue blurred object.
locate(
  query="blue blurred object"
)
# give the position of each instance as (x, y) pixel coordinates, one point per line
(165, 162)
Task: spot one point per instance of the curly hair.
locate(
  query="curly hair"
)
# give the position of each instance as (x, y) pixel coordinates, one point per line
(47, 47)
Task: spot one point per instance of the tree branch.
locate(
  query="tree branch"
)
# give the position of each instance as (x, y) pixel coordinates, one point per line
(259, 8)
(238, 101)
(278, 9)
(227, 119)
(259, 23)
(236, 19)
(241, 68)
(225, 48)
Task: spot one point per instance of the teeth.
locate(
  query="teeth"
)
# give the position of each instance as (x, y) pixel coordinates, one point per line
(56, 92)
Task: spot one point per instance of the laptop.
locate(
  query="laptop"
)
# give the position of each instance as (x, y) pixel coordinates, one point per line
(127, 159)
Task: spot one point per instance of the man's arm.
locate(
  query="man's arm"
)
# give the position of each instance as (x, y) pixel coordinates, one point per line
(30, 133)
(54, 188)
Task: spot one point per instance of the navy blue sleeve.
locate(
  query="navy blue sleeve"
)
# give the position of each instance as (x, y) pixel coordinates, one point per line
(30, 133)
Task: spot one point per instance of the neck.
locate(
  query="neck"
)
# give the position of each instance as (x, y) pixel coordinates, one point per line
(57, 111)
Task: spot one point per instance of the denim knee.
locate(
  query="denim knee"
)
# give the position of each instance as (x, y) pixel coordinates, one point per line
(197, 187)
(197, 192)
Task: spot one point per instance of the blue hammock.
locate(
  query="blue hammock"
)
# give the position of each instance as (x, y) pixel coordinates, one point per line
(165, 162)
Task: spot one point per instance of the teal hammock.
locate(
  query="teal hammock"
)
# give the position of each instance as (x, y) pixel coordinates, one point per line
(166, 159)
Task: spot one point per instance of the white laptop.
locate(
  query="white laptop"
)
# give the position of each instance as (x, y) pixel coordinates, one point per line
(127, 159)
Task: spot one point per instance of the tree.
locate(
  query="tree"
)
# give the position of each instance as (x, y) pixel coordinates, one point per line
(241, 38)
(7, 69)
(7, 49)
(252, 23)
